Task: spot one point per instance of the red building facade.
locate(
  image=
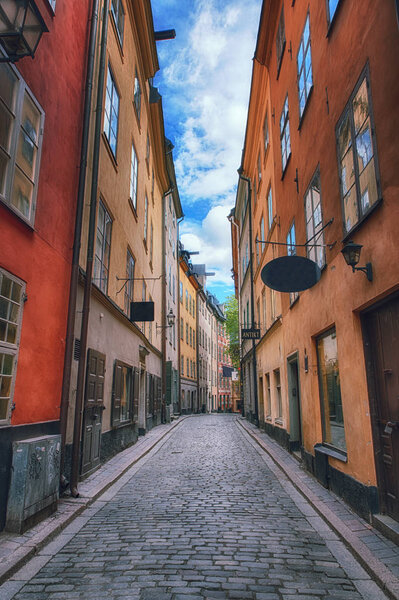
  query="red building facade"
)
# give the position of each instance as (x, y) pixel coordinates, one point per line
(41, 104)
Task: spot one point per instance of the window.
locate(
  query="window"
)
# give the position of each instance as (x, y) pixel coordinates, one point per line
(118, 15)
(264, 309)
(356, 149)
(152, 242)
(331, 8)
(182, 365)
(147, 152)
(259, 170)
(111, 112)
(285, 135)
(152, 185)
(186, 299)
(304, 65)
(291, 251)
(11, 303)
(268, 397)
(129, 287)
(52, 4)
(189, 304)
(248, 320)
(103, 246)
(174, 289)
(280, 40)
(122, 393)
(181, 291)
(330, 391)
(191, 336)
(186, 333)
(277, 384)
(188, 368)
(193, 307)
(133, 178)
(137, 95)
(181, 328)
(272, 305)
(314, 222)
(21, 134)
(270, 207)
(145, 217)
(266, 132)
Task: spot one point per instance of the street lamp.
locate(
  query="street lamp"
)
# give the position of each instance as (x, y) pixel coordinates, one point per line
(351, 254)
(21, 27)
(170, 317)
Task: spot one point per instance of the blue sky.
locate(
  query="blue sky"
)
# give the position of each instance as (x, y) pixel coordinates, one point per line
(204, 80)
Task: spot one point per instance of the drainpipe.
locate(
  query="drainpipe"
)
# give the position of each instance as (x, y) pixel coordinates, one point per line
(251, 270)
(89, 262)
(77, 239)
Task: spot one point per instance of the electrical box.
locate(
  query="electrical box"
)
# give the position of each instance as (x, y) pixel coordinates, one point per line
(34, 486)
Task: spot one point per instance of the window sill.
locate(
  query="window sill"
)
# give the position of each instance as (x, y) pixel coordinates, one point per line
(18, 214)
(123, 424)
(305, 110)
(278, 421)
(333, 452)
(110, 152)
(286, 167)
(348, 235)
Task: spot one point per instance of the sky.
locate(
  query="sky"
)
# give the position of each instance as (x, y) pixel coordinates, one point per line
(204, 80)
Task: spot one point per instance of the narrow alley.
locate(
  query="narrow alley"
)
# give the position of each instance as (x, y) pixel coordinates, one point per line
(205, 514)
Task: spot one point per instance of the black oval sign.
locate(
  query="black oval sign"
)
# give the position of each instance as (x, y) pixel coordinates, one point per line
(290, 274)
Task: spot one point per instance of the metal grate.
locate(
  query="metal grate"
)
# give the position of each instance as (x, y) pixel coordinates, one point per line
(76, 349)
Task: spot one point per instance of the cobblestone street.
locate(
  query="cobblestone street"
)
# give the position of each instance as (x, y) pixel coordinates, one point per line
(203, 515)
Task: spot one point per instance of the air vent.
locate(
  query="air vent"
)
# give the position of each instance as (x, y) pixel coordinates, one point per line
(76, 349)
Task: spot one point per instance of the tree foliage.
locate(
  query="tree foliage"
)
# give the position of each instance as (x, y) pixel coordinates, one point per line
(231, 313)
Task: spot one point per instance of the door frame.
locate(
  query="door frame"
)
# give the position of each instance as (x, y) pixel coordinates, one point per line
(372, 397)
(295, 444)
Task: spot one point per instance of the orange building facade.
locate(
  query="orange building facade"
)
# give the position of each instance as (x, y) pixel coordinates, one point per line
(321, 153)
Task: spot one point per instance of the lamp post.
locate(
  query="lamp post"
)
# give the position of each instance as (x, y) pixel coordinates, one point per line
(21, 27)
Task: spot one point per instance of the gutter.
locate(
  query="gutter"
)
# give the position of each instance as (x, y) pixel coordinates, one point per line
(66, 381)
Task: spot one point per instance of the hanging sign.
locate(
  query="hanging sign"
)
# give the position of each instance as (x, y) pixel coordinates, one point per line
(250, 334)
(290, 274)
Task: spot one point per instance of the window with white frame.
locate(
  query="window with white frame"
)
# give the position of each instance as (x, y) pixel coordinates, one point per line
(133, 178)
(111, 113)
(12, 291)
(304, 66)
(285, 135)
(21, 135)
(280, 40)
(129, 286)
(314, 222)
(357, 157)
(103, 247)
(137, 95)
(266, 132)
(279, 402)
(270, 208)
(291, 251)
(145, 217)
(118, 15)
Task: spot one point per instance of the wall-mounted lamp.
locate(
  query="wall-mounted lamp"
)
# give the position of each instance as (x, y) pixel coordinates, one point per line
(351, 253)
(170, 317)
(21, 27)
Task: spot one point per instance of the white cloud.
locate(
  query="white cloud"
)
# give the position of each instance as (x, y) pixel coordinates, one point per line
(208, 75)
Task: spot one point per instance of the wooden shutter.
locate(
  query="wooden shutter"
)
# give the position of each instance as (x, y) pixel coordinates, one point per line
(116, 395)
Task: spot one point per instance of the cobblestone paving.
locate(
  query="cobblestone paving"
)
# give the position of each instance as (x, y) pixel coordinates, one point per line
(204, 517)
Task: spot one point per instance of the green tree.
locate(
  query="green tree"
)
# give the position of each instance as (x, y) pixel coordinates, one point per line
(231, 313)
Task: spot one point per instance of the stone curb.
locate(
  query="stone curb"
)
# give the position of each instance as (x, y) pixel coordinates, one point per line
(374, 567)
(26, 551)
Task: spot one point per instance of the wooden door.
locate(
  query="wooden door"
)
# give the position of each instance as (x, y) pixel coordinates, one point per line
(93, 411)
(381, 338)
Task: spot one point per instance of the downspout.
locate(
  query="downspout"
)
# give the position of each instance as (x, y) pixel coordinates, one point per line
(89, 262)
(251, 271)
(66, 382)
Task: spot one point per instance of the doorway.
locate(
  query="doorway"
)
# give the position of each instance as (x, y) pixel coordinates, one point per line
(381, 345)
(93, 411)
(294, 400)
